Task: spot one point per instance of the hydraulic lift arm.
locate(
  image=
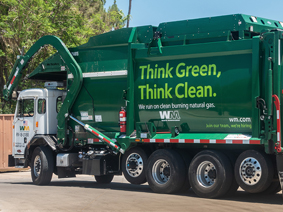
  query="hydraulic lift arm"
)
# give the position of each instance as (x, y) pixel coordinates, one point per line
(22, 63)
(15, 76)
(64, 113)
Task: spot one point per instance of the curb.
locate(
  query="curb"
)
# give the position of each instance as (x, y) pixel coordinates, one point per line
(12, 169)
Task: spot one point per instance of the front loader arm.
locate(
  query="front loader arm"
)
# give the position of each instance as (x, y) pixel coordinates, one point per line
(15, 76)
(22, 62)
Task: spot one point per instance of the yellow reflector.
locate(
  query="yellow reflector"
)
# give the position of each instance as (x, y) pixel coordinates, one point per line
(13, 126)
(36, 124)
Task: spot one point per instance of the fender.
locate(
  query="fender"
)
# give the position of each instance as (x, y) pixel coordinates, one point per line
(38, 140)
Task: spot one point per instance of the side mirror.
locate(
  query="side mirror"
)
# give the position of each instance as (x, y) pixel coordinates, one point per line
(14, 95)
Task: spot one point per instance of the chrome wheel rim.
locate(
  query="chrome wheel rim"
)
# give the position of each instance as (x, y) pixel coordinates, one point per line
(250, 171)
(134, 165)
(161, 171)
(206, 174)
(37, 166)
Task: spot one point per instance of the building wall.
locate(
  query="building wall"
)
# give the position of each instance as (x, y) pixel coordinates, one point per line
(6, 128)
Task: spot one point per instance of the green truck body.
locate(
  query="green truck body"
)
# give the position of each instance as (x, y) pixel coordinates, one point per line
(191, 88)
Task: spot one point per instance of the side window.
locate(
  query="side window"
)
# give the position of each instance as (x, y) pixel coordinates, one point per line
(58, 103)
(20, 109)
(25, 108)
(41, 106)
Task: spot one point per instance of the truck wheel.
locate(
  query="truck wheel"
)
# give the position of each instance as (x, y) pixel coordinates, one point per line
(42, 165)
(210, 174)
(104, 179)
(234, 186)
(187, 159)
(166, 171)
(253, 171)
(133, 165)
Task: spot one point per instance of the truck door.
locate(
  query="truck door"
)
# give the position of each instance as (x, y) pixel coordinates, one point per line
(23, 125)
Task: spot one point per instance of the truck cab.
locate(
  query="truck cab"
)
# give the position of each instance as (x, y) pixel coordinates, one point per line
(35, 114)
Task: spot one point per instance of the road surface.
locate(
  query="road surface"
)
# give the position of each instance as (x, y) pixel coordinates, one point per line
(17, 193)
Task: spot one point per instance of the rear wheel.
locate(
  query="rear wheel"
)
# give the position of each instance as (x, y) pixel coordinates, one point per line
(234, 186)
(187, 159)
(133, 165)
(210, 174)
(254, 171)
(42, 165)
(104, 179)
(165, 171)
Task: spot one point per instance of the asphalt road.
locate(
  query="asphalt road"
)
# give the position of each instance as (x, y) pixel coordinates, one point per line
(17, 193)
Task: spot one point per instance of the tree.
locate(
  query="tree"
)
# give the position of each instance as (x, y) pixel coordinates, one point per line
(23, 22)
(116, 17)
(129, 13)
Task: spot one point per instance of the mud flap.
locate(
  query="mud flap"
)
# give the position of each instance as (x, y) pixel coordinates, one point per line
(279, 160)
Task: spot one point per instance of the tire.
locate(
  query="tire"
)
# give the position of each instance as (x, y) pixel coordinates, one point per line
(254, 171)
(234, 186)
(210, 174)
(166, 171)
(187, 159)
(42, 165)
(134, 165)
(104, 179)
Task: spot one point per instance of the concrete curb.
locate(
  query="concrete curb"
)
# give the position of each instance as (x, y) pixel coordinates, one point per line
(13, 169)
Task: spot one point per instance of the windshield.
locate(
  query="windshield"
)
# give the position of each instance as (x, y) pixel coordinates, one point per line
(25, 108)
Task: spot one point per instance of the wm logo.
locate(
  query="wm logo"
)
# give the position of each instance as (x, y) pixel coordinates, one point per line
(170, 115)
(24, 128)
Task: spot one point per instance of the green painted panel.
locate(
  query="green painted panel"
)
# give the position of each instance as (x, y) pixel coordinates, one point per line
(101, 99)
(193, 136)
(220, 24)
(100, 54)
(204, 94)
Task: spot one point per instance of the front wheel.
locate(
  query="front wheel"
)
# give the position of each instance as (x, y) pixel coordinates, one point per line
(42, 165)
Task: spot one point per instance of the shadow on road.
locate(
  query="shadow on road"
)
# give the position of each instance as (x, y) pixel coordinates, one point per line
(243, 196)
(239, 196)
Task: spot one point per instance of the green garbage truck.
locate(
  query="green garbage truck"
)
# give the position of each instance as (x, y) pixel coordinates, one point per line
(187, 104)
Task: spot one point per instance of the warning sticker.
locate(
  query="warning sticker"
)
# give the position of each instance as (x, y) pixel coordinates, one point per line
(85, 116)
(98, 118)
(90, 140)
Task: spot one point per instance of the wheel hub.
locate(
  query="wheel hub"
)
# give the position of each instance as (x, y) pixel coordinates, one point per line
(37, 166)
(166, 171)
(212, 174)
(250, 171)
(134, 165)
(206, 174)
(161, 171)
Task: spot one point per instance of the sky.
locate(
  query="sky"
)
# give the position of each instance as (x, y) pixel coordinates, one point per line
(153, 12)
